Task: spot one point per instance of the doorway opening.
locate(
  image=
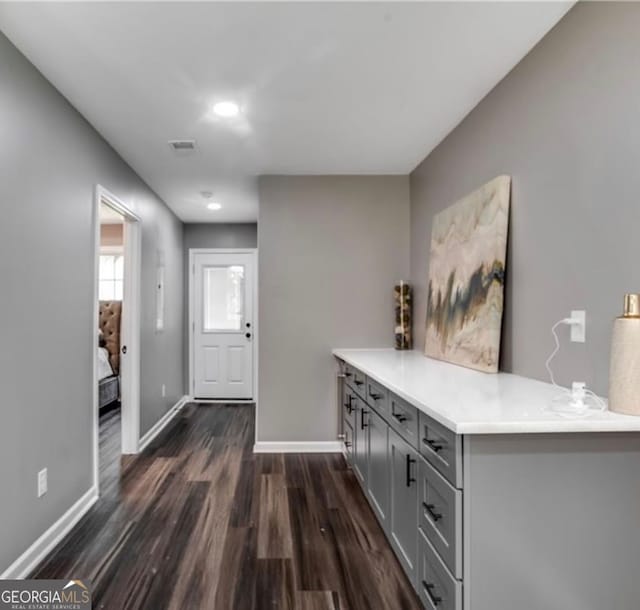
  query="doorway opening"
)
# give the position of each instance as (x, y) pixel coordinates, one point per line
(223, 325)
(117, 335)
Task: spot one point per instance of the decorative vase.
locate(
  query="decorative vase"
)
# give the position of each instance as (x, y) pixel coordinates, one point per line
(624, 374)
(402, 295)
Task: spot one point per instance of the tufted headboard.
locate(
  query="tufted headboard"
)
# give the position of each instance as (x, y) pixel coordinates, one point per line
(110, 315)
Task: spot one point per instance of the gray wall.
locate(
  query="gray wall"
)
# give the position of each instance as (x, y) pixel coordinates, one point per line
(50, 162)
(331, 249)
(565, 124)
(211, 235)
(220, 235)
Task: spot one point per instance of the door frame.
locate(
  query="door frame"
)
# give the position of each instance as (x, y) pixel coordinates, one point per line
(191, 327)
(129, 326)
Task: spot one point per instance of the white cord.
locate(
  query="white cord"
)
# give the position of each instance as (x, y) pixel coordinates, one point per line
(557, 348)
(563, 403)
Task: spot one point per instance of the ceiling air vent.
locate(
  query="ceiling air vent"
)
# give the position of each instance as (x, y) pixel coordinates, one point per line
(182, 146)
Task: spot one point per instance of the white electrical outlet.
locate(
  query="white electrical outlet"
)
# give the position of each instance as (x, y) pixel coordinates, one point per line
(42, 482)
(579, 327)
(164, 390)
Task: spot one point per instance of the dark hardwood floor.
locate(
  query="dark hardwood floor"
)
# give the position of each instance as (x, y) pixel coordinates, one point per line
(198, 521)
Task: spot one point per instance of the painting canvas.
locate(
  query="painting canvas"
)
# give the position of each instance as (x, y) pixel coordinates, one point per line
(466, 278)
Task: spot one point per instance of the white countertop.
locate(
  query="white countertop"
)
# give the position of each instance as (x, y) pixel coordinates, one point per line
(471, 402)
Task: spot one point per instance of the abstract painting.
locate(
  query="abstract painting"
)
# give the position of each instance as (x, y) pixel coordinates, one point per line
(466, 278)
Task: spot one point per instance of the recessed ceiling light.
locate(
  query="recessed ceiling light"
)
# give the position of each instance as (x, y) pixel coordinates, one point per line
(214, 206)
(226, 109)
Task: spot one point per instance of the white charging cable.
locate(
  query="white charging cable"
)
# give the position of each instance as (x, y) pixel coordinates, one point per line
(578, 401)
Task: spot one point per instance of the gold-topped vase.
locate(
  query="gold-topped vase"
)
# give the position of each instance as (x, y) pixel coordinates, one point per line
(624, 372)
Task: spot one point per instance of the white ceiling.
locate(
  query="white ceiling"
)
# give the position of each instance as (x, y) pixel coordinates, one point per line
(326, 88)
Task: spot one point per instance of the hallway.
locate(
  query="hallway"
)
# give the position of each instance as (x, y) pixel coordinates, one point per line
(199, 521)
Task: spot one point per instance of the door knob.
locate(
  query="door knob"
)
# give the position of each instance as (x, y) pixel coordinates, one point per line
(248, 324)
(124, 349)
(248, 335)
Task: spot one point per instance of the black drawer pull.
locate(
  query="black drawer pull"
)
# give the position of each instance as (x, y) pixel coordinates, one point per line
(410, 479)
(375, 396)
(348, 374)
(400, 417)
(348, 406)
(362, 414)
(347, 444)
(435, 600)
(358, 382)
(433, 444)
(430, 508)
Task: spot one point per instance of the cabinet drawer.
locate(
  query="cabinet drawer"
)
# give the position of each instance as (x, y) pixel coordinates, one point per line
(377, 396)
(442, 448)
(355, 379)
(440, 516)
(348, 442)
(349, 405)
(437, 588)
(404, 419)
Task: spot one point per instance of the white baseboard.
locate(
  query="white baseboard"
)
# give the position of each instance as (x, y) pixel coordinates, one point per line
(162, 423)
(298, 447)
(29, 560)
(218, 401)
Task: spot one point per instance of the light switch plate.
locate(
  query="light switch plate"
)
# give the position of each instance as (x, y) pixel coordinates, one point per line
(42, 482)
(579, 330)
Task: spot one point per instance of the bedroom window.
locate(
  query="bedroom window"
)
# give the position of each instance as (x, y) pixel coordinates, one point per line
(111, 277)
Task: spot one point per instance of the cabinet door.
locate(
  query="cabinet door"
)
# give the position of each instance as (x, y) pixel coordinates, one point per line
(403, 507)
(348, 404)
(348, 442)
(361, 441)
(378, 463)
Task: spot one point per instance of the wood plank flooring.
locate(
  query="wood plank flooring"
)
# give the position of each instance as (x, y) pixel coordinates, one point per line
(199, 522)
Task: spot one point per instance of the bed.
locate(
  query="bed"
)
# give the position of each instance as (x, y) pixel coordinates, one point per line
(109, 353)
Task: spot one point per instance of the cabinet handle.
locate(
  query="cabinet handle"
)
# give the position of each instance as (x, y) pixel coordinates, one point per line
(347, 443)
(433, 444)
(430, 508)
(362, 414)
(358, 382)
(435, 600)
(410, 479)
(401, 418)
(348, 406)
(347, 374)
(375, 396)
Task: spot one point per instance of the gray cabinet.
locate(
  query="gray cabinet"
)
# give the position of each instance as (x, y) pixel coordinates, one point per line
(442, 448)
(356, 380)
(440, 516)
(348, 405)
(403, 504)
(377, 396)
(361, 440)
(412, 496)
(473, 518)
(437, 588)
(348, 442)
(378, 464)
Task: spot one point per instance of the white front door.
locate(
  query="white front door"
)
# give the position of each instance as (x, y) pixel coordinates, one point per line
(222, 324)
